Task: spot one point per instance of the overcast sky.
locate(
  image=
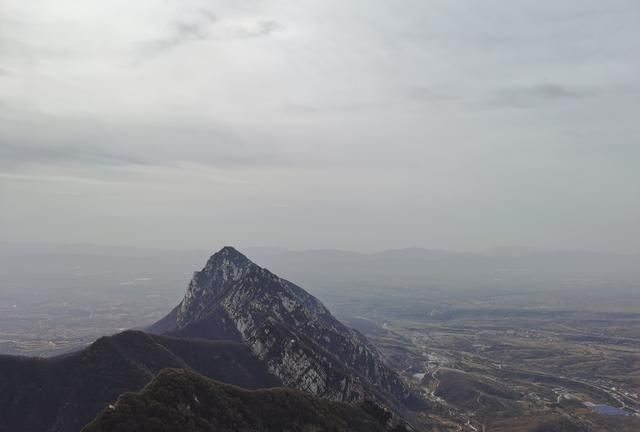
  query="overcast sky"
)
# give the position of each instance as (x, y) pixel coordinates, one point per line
(359, 125)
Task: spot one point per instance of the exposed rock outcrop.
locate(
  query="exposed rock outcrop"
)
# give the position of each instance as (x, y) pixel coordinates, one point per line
(303, 345)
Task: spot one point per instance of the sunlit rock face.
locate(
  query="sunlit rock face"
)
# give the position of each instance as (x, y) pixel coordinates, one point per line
(286, 327)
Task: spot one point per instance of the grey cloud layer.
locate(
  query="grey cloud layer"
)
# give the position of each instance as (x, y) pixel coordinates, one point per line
(201, 28)
(12, 154)
(525, 96)
(181, 33)
(56, 141)
(357, 124)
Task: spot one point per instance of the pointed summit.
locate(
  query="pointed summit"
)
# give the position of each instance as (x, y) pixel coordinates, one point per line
(229, 250)
(304, 346)
(227, 258)
(230, 253)
(223, 270)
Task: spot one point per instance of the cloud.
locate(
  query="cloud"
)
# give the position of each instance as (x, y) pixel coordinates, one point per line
(51, 179)
(20, 154)
(31, 138)
(35, 138)
(259, 29)
(201, 27)
(196, 29)
(526, 96)
(427, 94)
(340, 107)
(22, 47)
(428, 109)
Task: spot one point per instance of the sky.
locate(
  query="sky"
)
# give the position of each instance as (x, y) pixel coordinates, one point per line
(360, 125)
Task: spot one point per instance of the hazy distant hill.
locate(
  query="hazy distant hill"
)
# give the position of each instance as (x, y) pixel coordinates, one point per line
(79, 293)
(415, 268)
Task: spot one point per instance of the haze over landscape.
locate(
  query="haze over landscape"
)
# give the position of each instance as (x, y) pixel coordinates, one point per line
(272, 216)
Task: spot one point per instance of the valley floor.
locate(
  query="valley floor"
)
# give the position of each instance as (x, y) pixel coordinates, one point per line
(511, 370)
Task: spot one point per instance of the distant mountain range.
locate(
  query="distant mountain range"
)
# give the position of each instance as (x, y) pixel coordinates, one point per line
(239, 324)
(31, 274)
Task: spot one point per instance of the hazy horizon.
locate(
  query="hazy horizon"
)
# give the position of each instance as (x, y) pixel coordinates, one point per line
(359, 126)
(53, 247)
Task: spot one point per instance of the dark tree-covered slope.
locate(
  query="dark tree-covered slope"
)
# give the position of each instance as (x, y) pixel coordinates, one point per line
(64, 393)
(182, 401)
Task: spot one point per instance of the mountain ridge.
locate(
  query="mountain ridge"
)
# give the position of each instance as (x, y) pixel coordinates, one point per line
(237, 323)
(62, 394)
(293, 332)
(180, 400)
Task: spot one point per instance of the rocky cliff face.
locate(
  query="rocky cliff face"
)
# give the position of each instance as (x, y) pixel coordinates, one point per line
(303, 345)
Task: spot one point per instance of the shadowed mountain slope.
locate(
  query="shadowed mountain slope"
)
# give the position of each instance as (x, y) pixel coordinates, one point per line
(182, 401)
(64, 393)
(290, 330)
(238, 323)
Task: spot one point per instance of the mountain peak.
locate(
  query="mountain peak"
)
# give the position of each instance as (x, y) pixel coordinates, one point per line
(304, 346)
(228, 254)
(230, 251)
(223, 270)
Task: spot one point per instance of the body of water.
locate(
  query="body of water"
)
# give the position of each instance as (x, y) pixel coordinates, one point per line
(609, 410)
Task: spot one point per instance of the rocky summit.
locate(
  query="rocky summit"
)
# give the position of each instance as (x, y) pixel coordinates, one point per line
(302, 344)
